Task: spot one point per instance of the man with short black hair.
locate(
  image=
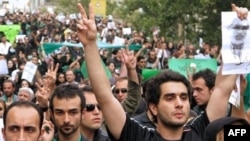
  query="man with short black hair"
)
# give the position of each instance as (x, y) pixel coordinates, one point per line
(203, 85)
(168, 97)
(67, 104)
(8, 91)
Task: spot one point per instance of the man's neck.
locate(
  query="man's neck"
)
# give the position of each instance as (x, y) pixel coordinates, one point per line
(150, 117)
(73, 137)
(169, 133)
(88, 134)
(9, 98)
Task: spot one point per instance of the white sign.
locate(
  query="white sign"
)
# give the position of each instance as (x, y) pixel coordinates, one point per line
(4, 67)
(235, 44)
(118, 41)
(235, 95)
(126, 31)
(29, 71)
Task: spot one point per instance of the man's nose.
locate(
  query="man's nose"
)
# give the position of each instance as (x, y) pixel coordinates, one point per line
(21, 136)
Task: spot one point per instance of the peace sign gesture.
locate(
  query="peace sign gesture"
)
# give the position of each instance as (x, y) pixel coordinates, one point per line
(51, 74)
(86, 26)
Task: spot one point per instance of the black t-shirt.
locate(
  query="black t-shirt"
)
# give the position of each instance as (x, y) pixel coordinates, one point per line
(132, 131)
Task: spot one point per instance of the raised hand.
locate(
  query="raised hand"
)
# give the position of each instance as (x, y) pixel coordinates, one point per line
(86, 26)
(42, 95)
(128, 58)
(51, 74)
(48, 131)
(242, 12)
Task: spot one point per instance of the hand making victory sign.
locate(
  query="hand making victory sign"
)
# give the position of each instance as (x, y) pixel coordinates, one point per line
(242, 12)
(86, 26)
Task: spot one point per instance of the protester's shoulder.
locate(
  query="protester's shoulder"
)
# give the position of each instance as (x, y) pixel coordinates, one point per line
(201, 118)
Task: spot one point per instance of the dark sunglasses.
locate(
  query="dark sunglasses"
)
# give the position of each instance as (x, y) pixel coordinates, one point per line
(123, 90)
(91, 107)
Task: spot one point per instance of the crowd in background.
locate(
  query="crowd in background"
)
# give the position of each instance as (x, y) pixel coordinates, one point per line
(126, 85)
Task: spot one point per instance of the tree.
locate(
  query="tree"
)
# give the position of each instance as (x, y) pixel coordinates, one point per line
(69, 6)
(179, 20)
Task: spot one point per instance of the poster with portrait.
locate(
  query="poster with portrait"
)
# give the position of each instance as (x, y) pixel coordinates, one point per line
(235, 44)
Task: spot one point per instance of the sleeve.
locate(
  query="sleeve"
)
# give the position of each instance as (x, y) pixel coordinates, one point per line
(133, 99)
(199, 124)
(132, 131)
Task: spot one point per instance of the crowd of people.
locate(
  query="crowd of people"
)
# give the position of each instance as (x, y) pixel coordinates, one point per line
(61, 103)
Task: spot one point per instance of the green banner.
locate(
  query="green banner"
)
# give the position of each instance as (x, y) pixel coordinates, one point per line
(182, 65)
(247, 94)
(10, 31)
(149, 73)
(84, 70)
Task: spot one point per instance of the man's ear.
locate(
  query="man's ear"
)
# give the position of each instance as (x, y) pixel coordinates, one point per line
(153, 108)
(3, 132)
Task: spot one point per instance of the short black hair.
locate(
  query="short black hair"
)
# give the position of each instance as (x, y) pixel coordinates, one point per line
(67, 91)
(153, 91)
(25, 104)
(208, 75)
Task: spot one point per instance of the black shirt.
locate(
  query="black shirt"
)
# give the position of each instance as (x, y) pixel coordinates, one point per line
(144, 120)
(132, 131)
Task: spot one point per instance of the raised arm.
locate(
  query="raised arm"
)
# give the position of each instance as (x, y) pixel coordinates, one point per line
(113, 112)
(224, 84)
(218, 102)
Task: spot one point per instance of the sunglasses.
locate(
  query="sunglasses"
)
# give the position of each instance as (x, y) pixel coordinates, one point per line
(91, 107)
(123, 90)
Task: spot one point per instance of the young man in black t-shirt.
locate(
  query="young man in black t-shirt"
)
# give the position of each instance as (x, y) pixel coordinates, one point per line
(169, 93)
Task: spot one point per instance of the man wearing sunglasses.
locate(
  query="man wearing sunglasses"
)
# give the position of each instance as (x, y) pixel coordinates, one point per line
(169, 91)
(121, 89)
(127, 89)
(92, 118)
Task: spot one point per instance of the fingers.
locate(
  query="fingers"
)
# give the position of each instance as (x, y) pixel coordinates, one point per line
(242, 13)
(91, 12)
(47, 126)
(38, 86)
(57, 67)
(234, 7)
(51, 66)
(82, 10)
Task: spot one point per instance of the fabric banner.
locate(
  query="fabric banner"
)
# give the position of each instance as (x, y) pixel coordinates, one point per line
(84, 70)
(51, 47)
(10, 31)
(181, 65)
(247, 93)
(149, 73)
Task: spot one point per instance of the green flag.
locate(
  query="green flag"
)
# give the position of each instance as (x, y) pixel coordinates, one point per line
(149, 73)
(247, 93)
(10, 31)
(181, 65)
(84, 70)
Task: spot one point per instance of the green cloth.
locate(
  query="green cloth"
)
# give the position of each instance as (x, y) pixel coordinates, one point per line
(181, 65)
(84, 70)
(247, 93)
(10, 31)
(149, 73)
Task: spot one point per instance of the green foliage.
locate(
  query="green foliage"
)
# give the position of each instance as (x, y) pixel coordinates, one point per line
(69, 6)
(179, 20)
